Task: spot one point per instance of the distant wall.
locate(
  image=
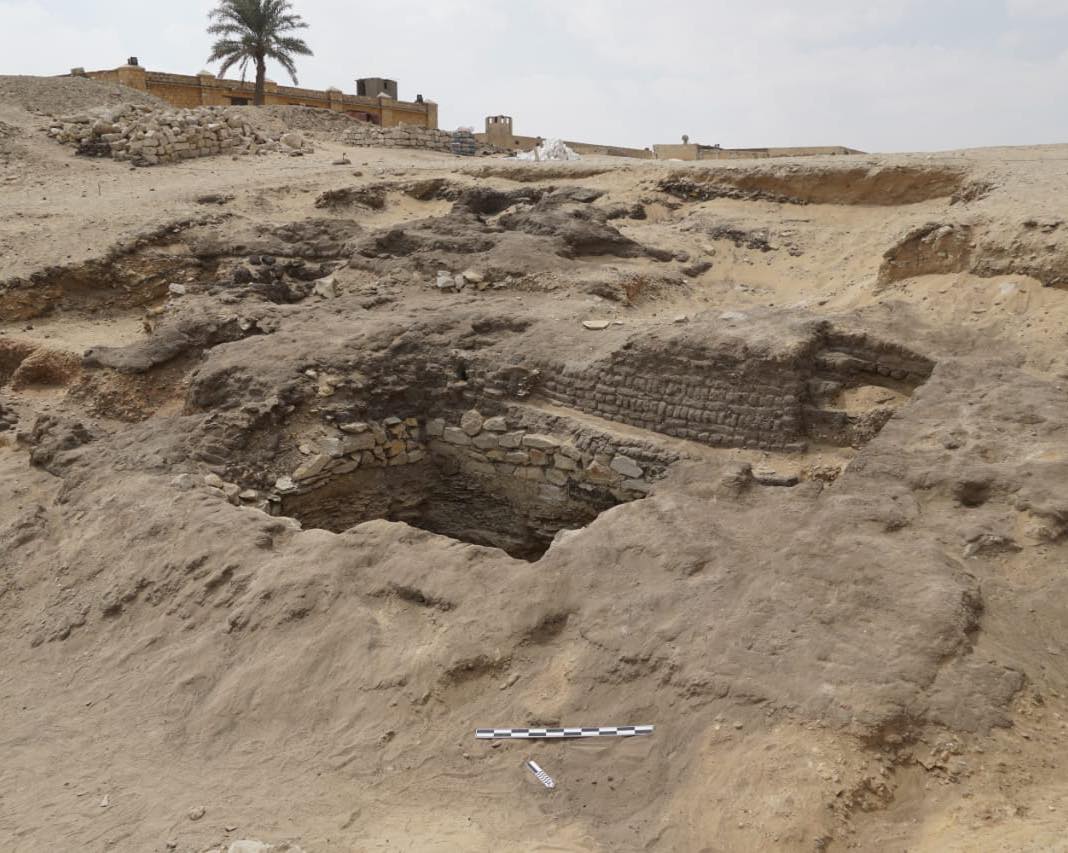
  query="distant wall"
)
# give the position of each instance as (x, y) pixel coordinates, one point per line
(206, 90)
(430, 139)
(707, 152)
(512, 142)
(500, 133)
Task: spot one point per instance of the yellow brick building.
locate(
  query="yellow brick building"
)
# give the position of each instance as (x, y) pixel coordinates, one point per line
(376, 103)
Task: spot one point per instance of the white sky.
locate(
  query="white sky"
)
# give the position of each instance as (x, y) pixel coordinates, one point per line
(881, 75)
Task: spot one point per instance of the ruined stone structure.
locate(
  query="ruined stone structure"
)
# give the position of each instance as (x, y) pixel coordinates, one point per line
(148, 137)
(376, 102)
(485, 480)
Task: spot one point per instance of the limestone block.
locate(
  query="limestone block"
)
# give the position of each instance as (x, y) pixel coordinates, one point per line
(538, 457)
(485, 441)
(333, 447)
(497, 424)
(540, 442)
(564, 463)
(435, 428)
(517, 457)
(471, 423)
(354, 428)
(313, 467)
(597, 472)
(627, 467)
(455, 435)
(511, 440)
(360, 441)
(528, 473)
(556, 477)
(637, 486)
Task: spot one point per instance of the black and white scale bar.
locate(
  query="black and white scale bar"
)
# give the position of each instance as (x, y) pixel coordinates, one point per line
(545, 734)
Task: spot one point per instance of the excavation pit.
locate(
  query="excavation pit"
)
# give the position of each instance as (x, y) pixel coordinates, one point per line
(452, 495)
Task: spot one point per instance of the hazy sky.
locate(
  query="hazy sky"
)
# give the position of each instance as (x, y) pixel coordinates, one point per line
(881, 75)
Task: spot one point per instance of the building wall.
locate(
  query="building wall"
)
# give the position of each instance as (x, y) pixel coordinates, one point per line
(183, 90)
(498, 135)
(500, 132)
(706, 152)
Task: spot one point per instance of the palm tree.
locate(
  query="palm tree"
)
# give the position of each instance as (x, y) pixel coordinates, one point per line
(255, 31)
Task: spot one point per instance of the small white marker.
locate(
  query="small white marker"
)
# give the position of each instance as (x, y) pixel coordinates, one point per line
(541, 775)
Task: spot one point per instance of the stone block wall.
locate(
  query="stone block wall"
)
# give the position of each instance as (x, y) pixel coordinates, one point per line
(408, 136)
(488, 447)
(482, 480)
(389, 443)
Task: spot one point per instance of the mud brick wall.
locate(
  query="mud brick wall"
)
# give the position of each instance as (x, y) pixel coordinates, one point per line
(763, 398)
(723, 403)
(856, 353)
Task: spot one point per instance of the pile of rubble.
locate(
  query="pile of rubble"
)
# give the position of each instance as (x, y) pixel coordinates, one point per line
(147, 137)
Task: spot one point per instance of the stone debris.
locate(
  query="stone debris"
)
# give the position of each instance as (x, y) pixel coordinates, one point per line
(147, 136)
(326, 288)
(248, 846)
(596, 325)
(448, 281)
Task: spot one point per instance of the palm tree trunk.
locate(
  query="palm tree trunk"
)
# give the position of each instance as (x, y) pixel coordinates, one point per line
(261, 77)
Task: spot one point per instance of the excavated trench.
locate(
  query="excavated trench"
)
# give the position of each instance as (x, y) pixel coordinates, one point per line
(442, 494)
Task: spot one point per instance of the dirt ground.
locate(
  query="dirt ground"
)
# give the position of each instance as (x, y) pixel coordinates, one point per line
(836, 585)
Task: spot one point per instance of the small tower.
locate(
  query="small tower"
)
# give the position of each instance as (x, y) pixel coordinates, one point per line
(499, 131)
